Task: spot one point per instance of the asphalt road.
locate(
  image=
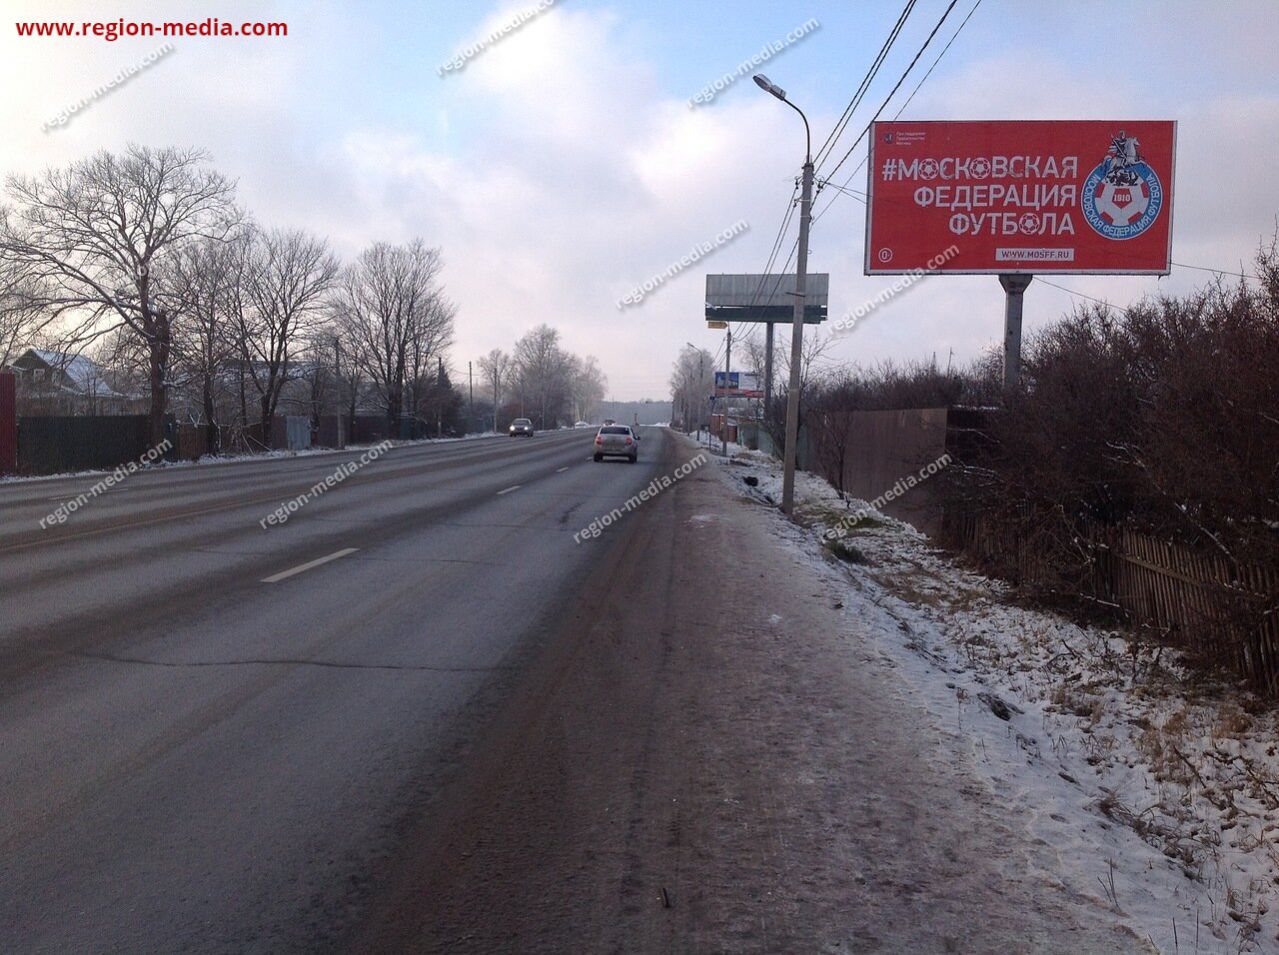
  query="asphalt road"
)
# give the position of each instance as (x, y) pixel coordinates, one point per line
(212, 733)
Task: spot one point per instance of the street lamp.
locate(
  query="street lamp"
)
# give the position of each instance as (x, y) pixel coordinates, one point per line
(797, 320)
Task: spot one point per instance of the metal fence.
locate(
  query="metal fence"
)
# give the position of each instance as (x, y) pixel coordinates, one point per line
(57, 444)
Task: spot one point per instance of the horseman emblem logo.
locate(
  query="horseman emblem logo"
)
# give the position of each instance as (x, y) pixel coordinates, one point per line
(1122, 197)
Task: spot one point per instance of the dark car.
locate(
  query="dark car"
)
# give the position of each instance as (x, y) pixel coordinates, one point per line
(521, 426)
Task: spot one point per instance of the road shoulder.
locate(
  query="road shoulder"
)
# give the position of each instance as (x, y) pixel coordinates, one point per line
(706, 757)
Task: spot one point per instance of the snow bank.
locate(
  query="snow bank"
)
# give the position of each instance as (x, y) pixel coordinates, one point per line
(1157, 787)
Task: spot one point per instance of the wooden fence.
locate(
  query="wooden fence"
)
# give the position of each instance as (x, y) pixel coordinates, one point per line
(1216, 608)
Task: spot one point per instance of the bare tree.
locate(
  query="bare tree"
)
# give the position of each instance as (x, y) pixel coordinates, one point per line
(496, 367)
(390, 306)
(21, 316)
(205, 276)
(588, 385)
(814, 350)
(542, 372)
(432, 332)
(320, 374)
(94, 232)
(286, 277)
(692, 380)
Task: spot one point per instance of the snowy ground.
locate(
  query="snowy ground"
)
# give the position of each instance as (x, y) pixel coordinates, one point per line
(1157, 787)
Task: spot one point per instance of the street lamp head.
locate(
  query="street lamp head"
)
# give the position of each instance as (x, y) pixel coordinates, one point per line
(768, 86)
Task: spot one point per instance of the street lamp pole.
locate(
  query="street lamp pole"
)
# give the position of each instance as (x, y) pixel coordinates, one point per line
(797, 321)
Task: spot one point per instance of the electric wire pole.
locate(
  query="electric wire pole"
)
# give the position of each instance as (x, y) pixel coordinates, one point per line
(797, 322)
(797, 342)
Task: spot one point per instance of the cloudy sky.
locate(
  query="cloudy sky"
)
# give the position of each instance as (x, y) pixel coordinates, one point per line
(563, 165)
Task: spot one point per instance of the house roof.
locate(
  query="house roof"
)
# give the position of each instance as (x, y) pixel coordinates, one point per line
(86, 374)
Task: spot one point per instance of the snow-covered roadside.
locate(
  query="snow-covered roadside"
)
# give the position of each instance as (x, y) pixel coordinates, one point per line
(210, 460)
(1157, 788)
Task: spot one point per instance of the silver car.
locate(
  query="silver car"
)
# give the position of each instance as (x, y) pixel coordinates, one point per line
(618, 441)
(521, 426)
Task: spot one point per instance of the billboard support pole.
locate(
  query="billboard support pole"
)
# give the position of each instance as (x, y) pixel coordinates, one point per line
(768, 367)
(1015, 286)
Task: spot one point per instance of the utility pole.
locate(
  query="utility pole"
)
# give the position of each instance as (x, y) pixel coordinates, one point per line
(728, 354)
(797, 340)
(797, 321)
(470, 404)
(439, 398)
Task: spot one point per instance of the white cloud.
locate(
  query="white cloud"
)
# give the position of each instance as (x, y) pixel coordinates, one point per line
(557, 171)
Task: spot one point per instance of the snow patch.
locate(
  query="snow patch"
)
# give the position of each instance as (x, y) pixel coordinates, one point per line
(1157, 787)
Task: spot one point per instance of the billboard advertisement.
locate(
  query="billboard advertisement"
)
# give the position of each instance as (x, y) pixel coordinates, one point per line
(765, 298)
(739, 384)
(1086, 196)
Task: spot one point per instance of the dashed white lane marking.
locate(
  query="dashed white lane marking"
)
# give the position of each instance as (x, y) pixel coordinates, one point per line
(561, 470)
(303, 568)
(513, 487)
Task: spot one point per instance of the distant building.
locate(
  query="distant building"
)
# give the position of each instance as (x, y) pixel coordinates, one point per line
(53, 383)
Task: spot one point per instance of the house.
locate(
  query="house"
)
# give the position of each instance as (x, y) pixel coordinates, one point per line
(54, 383)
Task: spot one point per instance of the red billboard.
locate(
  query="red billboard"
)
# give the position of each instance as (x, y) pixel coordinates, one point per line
(1088, 196)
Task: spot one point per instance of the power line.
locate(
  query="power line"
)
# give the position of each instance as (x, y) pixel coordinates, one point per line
(763, 280)
(831, 139)
(938, 60)
(906, 73)
(777, 243)
(1102, 301)
(855, 193)
(781, 232)
(1071, 291)
(834, 135)
(1204, 268)
(954, 36)
(864, 86)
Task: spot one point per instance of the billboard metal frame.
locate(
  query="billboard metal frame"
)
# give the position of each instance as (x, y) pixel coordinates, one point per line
(740, 298)
(869, 269)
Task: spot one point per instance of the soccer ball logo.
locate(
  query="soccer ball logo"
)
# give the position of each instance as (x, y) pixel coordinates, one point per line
(1122, 197)
(1120, 204)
